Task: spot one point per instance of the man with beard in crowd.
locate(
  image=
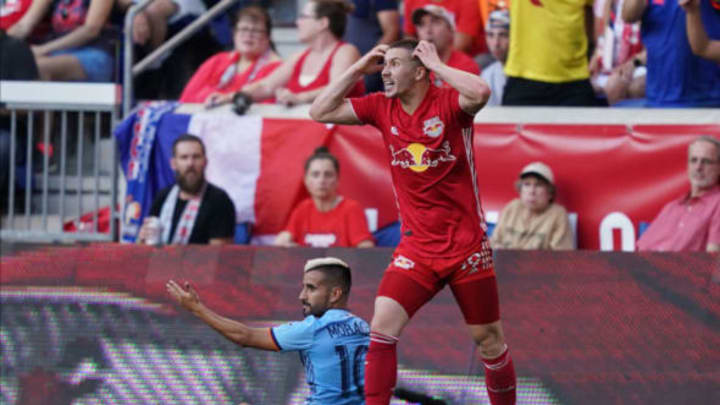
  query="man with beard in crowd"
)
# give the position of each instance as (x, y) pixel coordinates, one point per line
(192, 210)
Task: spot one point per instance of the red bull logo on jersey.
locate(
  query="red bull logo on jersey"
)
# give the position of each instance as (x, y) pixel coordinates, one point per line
(481, 260)
(403, 262)
(418, 158)
(433, 127)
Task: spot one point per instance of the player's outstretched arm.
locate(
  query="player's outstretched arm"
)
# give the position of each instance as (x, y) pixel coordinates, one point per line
(331, 106)
(235, 331)
(474, 91)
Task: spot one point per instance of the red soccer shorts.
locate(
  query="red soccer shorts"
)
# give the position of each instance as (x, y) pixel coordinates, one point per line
(412, 282)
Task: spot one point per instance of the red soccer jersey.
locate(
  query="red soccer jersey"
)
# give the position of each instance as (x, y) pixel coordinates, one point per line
(433, 171)
(343, 226)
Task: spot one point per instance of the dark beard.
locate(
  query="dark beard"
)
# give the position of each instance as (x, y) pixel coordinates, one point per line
(189, 186)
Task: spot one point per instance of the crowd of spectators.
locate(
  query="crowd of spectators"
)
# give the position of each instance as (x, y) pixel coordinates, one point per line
(582, 53)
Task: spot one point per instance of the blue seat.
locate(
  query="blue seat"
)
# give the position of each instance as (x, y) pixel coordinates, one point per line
(243, 233)
(389, 235)
(490, 228)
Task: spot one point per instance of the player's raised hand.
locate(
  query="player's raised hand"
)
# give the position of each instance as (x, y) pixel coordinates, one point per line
(186, 296)
(426, 52)
(371, 62)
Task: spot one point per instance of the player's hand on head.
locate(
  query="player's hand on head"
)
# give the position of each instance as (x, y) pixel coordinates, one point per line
(426, 52)
(185, 295)
(371, 62)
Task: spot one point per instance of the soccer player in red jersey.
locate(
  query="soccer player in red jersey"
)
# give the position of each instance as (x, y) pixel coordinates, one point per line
(428, 132)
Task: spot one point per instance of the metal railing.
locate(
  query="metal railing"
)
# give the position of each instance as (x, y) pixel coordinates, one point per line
(79, 180)
(130, 71)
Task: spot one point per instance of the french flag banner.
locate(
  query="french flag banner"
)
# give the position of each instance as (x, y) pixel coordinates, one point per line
(259, 162)
(232, 145)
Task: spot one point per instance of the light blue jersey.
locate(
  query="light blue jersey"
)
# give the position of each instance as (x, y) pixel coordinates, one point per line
(332, 348)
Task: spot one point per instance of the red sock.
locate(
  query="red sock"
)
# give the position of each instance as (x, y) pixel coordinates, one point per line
(380, 369)
(500, 379)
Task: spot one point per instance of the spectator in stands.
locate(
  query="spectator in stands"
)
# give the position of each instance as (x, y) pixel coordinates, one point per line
(497, 35)
(468, 36)
(150, 26)
(372, 23)
(691, 222)
(548, 60)
(617, 67)
(689, 81)
(252, 59)
(193, 210)
(166, 76)
(534, 221)
(326, 219)
(697, 34)
(321, 25)
(78, 50)
(435, 24)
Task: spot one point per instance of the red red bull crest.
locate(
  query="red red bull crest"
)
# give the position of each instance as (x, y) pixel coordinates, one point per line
(433, 127)
(403, 262)
(418, 158)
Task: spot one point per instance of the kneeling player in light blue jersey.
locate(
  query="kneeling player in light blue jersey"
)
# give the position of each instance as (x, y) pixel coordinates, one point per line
(332, 342)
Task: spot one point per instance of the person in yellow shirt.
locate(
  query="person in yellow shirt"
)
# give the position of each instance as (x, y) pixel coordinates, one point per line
(550, 42)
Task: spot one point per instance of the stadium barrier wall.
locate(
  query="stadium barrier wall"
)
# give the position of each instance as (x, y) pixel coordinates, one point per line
(94, 325)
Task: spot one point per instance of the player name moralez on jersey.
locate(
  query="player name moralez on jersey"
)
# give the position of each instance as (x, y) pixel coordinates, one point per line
(347, 329)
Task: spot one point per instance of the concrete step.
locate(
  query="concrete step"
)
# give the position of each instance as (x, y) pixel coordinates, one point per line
(34, 223)
(37, 228)
(79, 191)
